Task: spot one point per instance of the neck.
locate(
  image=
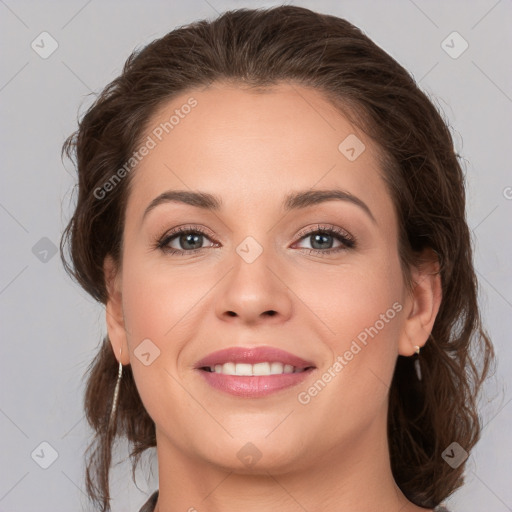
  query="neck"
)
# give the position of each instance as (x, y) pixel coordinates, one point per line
(354, 476)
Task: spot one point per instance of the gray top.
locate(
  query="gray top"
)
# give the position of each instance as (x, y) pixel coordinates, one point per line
(149, 506)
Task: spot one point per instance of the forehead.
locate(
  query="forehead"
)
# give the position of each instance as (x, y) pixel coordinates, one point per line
(254, 146)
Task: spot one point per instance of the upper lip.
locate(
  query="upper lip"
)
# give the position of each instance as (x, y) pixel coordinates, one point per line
(252, 356)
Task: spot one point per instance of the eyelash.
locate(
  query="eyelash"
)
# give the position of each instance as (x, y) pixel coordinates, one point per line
(348, 241)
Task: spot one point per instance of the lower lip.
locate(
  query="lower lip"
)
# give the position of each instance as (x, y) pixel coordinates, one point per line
(256, 386)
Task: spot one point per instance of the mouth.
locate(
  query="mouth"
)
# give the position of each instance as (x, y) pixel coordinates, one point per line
(253, 372)
(259, 369)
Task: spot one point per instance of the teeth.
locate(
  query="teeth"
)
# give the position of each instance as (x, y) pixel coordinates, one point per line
(261, 369)
(276, 368)
(245, 369)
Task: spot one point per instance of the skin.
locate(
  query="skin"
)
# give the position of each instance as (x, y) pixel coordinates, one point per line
(252, 149)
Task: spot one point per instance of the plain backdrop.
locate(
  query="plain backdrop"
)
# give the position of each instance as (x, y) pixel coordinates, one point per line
(51, 329)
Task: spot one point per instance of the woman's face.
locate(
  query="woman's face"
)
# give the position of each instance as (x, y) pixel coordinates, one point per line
(256, 272)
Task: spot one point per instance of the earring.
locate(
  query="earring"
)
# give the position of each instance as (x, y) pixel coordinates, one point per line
(116, 392)
(417, 362)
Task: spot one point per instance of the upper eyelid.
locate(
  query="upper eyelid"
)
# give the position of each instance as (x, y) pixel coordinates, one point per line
(336, 230)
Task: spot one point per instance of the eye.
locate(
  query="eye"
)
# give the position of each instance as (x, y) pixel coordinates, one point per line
(322, 238)
(184, 239)
(190, 239)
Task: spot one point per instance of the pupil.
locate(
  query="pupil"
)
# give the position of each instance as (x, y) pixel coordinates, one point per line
(322, 236)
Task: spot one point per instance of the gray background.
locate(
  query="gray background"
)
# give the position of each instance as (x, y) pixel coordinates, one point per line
(51, 329)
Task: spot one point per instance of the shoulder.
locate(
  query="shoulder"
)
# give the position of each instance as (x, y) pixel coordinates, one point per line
(441, 508)
(149, 506)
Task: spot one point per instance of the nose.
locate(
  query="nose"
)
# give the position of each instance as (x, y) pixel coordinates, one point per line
(254, 292)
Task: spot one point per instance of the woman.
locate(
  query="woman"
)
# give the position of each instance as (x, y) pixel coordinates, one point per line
(272, 373)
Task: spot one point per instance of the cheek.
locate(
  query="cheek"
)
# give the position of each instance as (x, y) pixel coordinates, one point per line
(161, 301)
(159, 308)
(350, 299)
(366, 313)
(148, 311)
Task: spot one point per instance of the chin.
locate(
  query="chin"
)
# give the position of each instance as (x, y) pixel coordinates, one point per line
(257, 456)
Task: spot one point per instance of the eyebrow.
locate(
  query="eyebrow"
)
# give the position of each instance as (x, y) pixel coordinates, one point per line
(293, 201)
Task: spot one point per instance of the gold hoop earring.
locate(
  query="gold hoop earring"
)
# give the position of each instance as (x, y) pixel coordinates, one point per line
(417, 366)
(116, 391)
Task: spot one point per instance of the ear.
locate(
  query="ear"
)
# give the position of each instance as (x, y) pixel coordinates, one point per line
(114, 311)
(422, 304)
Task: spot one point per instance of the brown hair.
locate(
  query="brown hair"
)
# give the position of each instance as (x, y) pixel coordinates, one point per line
(259, 48)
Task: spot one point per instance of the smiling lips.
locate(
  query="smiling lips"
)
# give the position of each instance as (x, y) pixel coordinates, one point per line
(253, 372)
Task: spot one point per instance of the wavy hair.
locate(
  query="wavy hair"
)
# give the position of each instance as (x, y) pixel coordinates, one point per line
(257, 48)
